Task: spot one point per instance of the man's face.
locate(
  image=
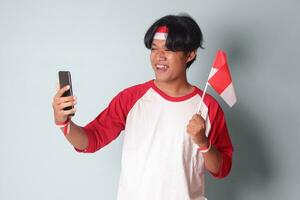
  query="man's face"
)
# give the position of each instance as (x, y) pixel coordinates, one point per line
(169, 66)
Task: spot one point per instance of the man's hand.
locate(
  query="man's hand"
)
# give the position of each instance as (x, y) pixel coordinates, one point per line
(59, 103)
(196, 129)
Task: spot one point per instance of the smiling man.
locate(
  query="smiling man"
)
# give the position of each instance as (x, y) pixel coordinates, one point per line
(167, 146)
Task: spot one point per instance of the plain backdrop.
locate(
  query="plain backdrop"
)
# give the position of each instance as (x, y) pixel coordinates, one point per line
(101, 43)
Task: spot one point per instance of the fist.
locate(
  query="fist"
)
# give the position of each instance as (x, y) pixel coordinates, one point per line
(196, 129)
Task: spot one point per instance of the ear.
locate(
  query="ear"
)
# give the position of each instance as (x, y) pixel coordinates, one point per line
(191, 55)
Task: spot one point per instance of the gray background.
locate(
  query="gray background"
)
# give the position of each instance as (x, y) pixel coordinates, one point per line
(101, 42)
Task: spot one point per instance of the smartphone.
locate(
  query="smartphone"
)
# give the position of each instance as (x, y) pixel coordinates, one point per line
(65, 79)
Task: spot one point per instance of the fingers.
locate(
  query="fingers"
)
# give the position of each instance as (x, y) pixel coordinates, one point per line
(68, 112)
(62, 106)
(60, 100)
(61, 91)
(60, 114)
(196, 116)
(61, 103)
(190, 128)
(195, 130)
(197, 122)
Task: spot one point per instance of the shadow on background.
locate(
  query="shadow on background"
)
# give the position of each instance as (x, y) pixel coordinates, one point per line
(252, 163)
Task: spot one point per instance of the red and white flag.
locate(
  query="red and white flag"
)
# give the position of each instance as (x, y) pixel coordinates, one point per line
(220, 79)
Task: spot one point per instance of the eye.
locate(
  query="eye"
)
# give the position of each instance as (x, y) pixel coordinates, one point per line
(167, 49)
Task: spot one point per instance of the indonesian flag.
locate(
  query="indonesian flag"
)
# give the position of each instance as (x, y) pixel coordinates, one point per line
(220, 79)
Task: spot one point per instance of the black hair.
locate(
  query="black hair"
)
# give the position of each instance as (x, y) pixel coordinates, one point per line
(184, 34)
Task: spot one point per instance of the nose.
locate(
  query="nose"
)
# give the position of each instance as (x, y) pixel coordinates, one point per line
(161, 55)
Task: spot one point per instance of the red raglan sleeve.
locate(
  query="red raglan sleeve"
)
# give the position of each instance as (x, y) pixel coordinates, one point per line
(220, 139)
(107, 125)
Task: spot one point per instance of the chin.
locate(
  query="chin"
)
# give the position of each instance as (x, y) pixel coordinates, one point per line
(162, 79)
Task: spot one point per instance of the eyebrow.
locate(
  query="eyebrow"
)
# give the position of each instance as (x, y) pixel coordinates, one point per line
(158, 46)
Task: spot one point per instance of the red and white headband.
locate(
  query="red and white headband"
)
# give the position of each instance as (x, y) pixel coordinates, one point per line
(161, 33)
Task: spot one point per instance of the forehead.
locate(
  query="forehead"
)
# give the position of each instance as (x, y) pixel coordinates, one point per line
(159, 43)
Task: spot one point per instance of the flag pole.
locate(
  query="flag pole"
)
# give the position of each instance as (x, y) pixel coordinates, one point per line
(202, 97)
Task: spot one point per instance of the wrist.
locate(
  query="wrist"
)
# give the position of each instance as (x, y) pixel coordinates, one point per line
(205, 147)
(204, 143)
(64, 125)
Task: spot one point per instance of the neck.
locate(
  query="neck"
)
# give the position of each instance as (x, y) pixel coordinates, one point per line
(175, 89)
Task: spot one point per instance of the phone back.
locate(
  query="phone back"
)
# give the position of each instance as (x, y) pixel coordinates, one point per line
(65, 79)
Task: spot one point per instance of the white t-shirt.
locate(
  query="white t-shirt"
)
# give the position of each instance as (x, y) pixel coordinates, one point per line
(159, 159)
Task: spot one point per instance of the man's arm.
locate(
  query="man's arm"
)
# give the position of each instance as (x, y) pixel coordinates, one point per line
(196, 129)
(217, 159)
(76, 135)
(212, 158)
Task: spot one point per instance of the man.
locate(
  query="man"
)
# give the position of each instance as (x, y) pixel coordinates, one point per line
(167, 146)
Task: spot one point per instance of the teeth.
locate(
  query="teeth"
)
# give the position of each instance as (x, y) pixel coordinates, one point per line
(161, 66)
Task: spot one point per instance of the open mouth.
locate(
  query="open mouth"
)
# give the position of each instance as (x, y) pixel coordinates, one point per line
(161, 68)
